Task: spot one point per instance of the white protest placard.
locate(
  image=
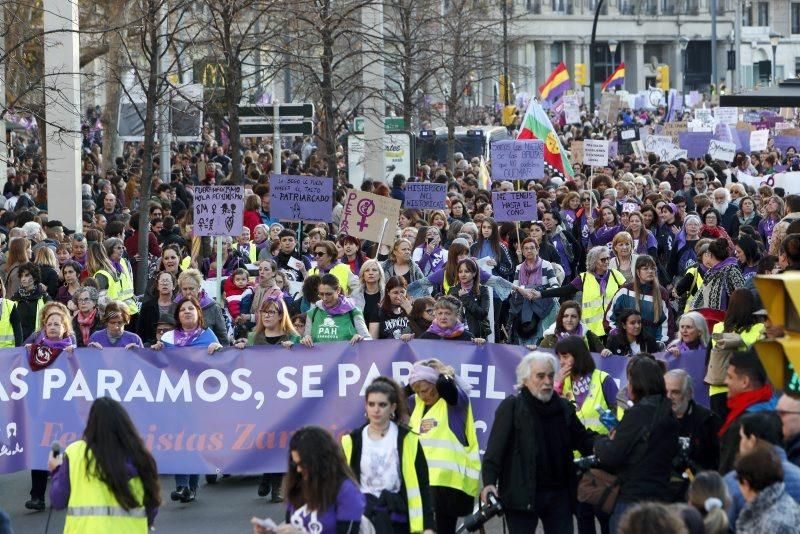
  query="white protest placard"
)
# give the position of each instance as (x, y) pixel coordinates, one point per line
(699, 126)
(572, 114)
(628, 134)
(759, 140)
(364, 214)
(638, 149)
(674, 154)
(721, 150)
(595, 152)
(783, 125)
(705, 117)
(658, 143)
(218, 210)
(726, 115)
(789, 181)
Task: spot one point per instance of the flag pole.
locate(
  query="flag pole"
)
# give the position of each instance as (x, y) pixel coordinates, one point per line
(380, 239)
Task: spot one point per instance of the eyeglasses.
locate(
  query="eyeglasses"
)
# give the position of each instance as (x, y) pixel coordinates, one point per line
(781, 413)
(585, 199)
(84, 300)
(319, 253)
(270, 313)
(605, 259)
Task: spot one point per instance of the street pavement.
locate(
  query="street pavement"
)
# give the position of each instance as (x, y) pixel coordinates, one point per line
(222, 508)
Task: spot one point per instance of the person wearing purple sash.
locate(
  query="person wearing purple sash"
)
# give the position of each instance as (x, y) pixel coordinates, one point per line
(603, 234)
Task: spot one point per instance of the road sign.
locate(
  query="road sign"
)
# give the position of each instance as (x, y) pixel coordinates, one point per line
(257, 121)
(390, 124)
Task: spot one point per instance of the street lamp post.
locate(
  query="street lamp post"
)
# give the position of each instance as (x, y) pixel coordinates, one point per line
(774, 39)
(612, 47)
(591, 55)
(683, 42)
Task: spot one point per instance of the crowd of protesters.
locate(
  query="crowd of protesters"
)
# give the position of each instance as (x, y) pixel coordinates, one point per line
(639, 258)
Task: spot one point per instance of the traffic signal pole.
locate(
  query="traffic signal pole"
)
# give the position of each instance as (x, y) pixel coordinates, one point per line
(591, 55)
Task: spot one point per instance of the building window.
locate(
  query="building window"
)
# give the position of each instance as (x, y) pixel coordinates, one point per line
(747, 16)
(562, 6)
(763, 13)
(556, 54)
(795, 17)
(668, 7)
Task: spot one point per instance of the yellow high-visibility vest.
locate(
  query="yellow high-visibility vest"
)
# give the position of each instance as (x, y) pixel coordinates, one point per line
(594, 303)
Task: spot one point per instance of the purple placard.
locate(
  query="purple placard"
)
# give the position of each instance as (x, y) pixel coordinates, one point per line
(425, 196)
(218, 210)
(514, 206)
(518, 160)
(301, 198)
(782, 142)
(695, 143)
(235, 412)
(744, 140)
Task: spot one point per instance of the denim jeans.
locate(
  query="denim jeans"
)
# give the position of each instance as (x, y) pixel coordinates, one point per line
(187, 480)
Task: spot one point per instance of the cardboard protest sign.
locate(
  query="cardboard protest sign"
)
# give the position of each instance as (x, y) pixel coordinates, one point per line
(218, 210)
(759, 140)
(364, 213)
(425, 196)
(609, 108)
(301, 198)
(638, 149)
(673, 129)
(722, 150)
(595, 152)
(514, 206)
(518, 160)
(576, 152)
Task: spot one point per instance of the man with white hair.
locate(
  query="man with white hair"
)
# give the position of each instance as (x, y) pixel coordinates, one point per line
(695, 422)
(722, 203)
(528, 460)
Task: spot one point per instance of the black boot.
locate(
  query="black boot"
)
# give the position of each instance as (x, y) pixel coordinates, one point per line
(35, 504)
(276, 482)
(180, 493)
(264, 485)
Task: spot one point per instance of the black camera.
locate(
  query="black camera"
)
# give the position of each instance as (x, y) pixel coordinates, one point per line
(491, 508)
(586, 463)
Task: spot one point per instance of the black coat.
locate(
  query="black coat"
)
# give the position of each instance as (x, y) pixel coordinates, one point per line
(420, 466)
(619, 346)
(642, 451)
(510, 458)
(476, 310)
(701, 426)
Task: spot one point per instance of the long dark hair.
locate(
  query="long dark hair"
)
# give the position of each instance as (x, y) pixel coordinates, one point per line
(114, 442)
(325, 467)
(392, 283)
(494, 237)
(739, 315)
(393, 392)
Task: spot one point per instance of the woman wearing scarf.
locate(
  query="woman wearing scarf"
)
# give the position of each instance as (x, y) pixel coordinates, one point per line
(747, 215)
(352, 257)
(189, 284)
(529, 318)
(190, 332)
(30, 298)
(115, 250)
(266, 288)
(592, 391)
(261, 238)
(99, 267)
(605, 232)
(721, 279)
(597, 285)
(474, 298)
(86, 320)
(44, 346)
(692, 334)
(334, 317)
(623, 258)
(441, 413)
(326, 254)
(430, 256)
(683, 254)
(568, 324)
(773, 215)
(644, 242)
(115, 317)
(490, 246)
(446, 324)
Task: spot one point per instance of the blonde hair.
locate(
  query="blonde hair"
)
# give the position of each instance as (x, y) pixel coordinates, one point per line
(286, 318)
(46, 256)
(56, 308)
(709, 495)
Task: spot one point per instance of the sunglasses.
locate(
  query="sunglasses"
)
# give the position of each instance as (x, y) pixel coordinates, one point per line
(320, 254)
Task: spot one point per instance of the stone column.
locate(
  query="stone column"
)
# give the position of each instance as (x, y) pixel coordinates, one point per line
(63, 112)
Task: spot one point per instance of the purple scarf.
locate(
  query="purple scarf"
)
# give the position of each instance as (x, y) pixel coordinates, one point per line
(447, 333)
(580, 332)
(724, 263)
(117, 266)
(59, 344)
(204, 299)
(183, 338)
(342, 306)
(684, 347)
(530, 276)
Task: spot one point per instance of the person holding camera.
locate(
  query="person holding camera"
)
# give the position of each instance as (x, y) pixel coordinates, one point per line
(441, 413)
(387, 460)
(641, 449)
(529, 460)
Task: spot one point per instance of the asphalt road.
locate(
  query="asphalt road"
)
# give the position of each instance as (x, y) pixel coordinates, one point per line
(222, 508)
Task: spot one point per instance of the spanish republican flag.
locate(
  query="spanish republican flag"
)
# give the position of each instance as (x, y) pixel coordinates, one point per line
(536, 125)
(617, 78)
(557, 83)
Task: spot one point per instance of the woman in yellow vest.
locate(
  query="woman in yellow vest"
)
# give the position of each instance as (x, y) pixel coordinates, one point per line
(326, 254)
(592, 391)
(442, 415)
(99, 267)
(599, 284)
(387, 460)
(746, 329)
(100, 492)
(10, 326)
(114, 250)
(30, 298)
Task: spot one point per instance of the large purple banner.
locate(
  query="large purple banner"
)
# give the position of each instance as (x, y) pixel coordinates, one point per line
(234, 412)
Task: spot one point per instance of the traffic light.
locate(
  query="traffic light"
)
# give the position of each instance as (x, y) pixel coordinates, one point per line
(662, 77)
(509, 115)
(780, 294)
(505, 86)
(580, 74)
